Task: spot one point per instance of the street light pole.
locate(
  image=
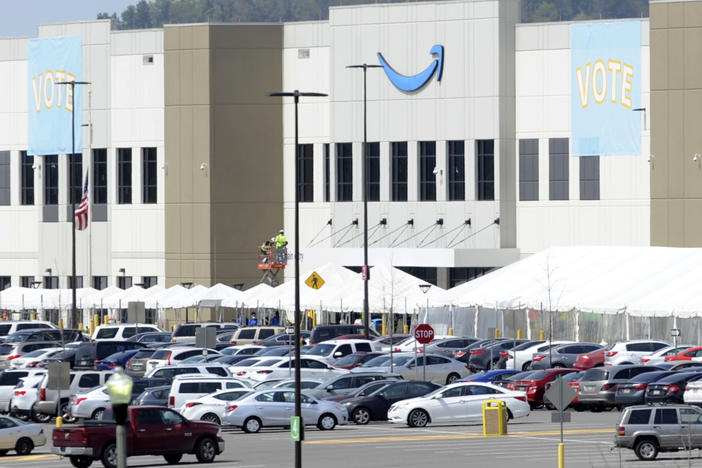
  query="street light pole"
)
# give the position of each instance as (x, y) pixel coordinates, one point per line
(298, 387)
(364, 171)
(74, 311)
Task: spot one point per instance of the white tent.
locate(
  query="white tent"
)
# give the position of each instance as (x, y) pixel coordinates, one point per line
(250, 296)
(157, 301)
(16, 298)
(183, 297)
(644, 281)
(97, 298)
(222, 292)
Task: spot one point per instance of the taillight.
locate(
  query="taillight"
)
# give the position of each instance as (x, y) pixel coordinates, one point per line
(191, 404)
(458, 354)
(607, 386)
(80, 400)
(521, 398)
(640, 387)
(112, 364)
(173, 340)
(621, 431)
(231, 408)
(171, 401)
(611, 353)
(129, 364)
(264, 372)
(539, 357)
(478, 351)
(14, 356)
(398, 350)
(232, 342)
(42, 394)
(504, 354)
(19, 392)
(313, 341)
(669, 358)
(168, 358)
(644, 360)
(32, 364)
(240, 373)
(672, 388)
(584, 357)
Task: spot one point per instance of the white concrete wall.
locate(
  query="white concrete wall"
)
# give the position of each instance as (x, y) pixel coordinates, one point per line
(463, 106)
(124, 103)
(543, 87)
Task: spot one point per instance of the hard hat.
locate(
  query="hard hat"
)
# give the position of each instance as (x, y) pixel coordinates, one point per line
(281, 231)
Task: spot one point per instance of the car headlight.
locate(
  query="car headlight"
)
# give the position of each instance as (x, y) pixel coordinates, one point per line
(348, 403)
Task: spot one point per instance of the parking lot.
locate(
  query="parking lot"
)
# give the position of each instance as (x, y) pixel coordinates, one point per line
(532, 442)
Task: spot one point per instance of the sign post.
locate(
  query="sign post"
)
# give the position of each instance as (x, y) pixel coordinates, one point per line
(560, 394)
(59, 379)
(424, 334)
(205, 338)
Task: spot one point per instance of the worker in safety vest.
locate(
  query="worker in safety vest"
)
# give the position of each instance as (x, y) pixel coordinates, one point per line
(265, 251)
(281, 247)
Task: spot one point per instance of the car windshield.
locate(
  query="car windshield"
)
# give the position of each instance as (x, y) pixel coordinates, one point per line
(347, 360)
(268, 362)
(5, 329)
(379, 361)
(161, 354)
(186, 330)
(35, 353)
(143, 353)
(370, 389)
(526, 345)
(16, 336)
(247, 362)
(538, 375)
(649, 377)
(522, 375)
(478, 375)
(321, 349)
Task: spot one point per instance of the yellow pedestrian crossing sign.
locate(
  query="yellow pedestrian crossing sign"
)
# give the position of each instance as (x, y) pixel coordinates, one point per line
(314, 281)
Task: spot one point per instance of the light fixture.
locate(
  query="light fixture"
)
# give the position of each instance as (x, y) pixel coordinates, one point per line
(238, 286)
(696, 157)
(641, 109)
(440, 221)
(651, 157)
(35, 284)
(384, 222)
(437, 171)
(122, 271)
(48, 271)
(186, 284)
(424, 287)
(203, 166)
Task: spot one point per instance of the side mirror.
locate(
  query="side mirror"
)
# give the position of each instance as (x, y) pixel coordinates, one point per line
(338, 354)
(381, 395)
(313, 402)
(330, 388)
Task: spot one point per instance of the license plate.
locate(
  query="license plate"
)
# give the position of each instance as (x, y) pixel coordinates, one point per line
(657, 392)
(626, 390)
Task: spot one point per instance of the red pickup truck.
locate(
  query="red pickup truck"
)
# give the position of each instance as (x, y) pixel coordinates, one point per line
(151, 430)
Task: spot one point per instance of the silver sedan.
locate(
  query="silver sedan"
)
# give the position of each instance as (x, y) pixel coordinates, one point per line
(275, 407)
(91, 404)
(19, 436)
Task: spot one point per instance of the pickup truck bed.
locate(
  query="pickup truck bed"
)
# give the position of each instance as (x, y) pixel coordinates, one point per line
(150, 430)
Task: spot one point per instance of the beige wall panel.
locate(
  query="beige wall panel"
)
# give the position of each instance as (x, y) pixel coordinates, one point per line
(245, 76)
(171, 38)
(200, 155)
(201, 229)
(675, 59)
(676, 15)
(693, 144)
(201, 36)
(693, 223)
(247, 36)
(172, 154)
(232, 270)
(674, 155)
(201, 76)
(676, 223)
(186, 229)
(658, 13)
(185, 164)
(659, 59)
(171, 77)
(186, 76)
(693, 14)
(693, 57)
(659, 144)
(201, 271)
(659, 222)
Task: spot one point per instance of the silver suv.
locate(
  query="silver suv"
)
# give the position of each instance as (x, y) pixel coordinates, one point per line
(652, 429)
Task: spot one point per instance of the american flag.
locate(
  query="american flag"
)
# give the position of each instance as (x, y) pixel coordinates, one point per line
(81, 212)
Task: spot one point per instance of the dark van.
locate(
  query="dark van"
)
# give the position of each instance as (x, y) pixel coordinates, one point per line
(87, 354)
(329, 332)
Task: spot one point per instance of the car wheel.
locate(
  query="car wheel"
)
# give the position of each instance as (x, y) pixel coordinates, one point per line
(418, 418)
(326, 422)
(558, 365)
(24, 446)
(252, 424)
(81, 462)
(173, 458)
(109, 456)
(211, 417)
(510, 416)
(206, 450)
(525, 366)
(63, 411)
(452, 378)
(97, 414)
(41, 418)
(646, 449)
(361, 415)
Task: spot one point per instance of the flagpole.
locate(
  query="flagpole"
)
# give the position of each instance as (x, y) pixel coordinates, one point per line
(90, 165)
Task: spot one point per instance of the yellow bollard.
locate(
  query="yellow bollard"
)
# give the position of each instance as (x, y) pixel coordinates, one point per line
(406, 330)
(32, 316)
(91, 330)
(497, 332)
(60, 323)
(542, 336)
(105, 321)
(561, 455)
(384, 328)
(59, 421)
(450, 331)
(173, 327)
(519, 334)
(96, 321)
(80, 326)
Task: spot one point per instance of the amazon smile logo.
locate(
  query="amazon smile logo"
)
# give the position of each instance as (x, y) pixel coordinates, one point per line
(415, 82)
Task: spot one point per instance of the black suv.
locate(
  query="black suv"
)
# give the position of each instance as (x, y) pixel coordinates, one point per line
(329, 332)
(67, 335)
(87, 354)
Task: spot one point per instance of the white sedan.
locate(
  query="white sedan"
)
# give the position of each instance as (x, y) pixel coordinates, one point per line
(275, 408)
(441, 370)
(211, 408)
(20, 436)
(458, 402)
(311, 367)
(34, 358)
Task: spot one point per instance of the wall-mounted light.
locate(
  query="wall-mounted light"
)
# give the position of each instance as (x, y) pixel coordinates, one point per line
(383, 222)
(437, 171)
(48, 271)
(641, 109)
(424, 287)
(186, 284)
(203, 166)
(238, 286)
(696, 157)
(122, 271)
(440, 221)
(468, 222)
(355, 222)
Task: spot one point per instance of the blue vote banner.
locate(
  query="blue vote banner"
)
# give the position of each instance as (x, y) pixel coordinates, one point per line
(51, 105)
(605, 88)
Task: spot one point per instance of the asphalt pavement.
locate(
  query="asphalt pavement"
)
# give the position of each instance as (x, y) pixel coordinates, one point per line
(531, 442)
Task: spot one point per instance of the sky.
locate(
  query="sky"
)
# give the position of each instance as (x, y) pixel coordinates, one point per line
(21, 17)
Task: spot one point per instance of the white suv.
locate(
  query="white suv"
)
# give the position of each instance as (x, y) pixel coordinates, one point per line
(523, 353)
(9, 327)
(121, 331)
(631, 352)
(333, 350)
(189, 387)
(173, 355)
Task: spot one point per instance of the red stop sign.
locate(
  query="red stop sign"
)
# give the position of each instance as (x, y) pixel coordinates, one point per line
(424, 333)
